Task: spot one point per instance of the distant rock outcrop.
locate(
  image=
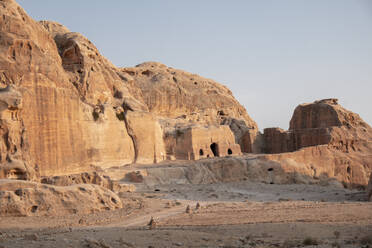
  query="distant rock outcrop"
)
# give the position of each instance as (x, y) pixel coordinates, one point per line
(319, 123)
(327, 139)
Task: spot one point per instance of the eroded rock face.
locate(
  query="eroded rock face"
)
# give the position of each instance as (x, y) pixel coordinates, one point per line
(256, 168)
(196, 142)
(81, 178)
(147, 137)
(22, 198)
(64, 107)
(97, 178)
(323, 122)
(176, 95)
(369, 189)
(58, 127)
(322, 114)
(327, 139)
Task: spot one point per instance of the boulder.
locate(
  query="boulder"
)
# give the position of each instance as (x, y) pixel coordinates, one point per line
(82, 178)
(94, 177)
(22, 198)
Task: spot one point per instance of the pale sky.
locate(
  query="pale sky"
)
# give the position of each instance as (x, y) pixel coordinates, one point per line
(272, 54)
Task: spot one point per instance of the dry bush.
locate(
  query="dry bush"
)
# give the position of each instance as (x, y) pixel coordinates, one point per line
(310, 241)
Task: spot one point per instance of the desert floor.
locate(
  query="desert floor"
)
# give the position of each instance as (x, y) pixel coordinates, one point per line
(239, 214)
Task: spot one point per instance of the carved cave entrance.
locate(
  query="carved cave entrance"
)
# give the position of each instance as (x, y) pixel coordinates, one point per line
(229, 151)
(201, 153)
(214, 148)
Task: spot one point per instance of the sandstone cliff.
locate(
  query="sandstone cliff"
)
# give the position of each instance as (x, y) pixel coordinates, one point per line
(181, 98)
(324, 139)
(66, 108)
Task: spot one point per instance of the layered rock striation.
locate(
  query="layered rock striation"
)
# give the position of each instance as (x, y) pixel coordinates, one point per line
(66, 109)
(325, 139)
(24, 198)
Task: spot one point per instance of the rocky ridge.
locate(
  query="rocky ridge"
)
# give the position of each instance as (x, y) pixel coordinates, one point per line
(327, 140)
(79, 110)
(65, 110)
(24, 198)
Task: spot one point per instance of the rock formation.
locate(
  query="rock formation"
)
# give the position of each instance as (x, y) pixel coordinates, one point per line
(200, 142)
(81, 178)
(180, 98)
(327, 139)
(369, 189)
(23, 198)
(257, 168)
(66, 108)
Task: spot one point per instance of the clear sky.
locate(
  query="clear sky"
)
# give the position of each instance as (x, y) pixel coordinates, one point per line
(272, 54)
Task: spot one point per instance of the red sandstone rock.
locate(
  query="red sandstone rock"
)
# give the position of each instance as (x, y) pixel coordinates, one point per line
(22, 198)
(196, 142)
(327, 139)
(369, 189)
(320, 123)
(64, 107)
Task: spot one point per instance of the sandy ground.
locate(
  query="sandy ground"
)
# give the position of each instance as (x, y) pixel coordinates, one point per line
(240, 214)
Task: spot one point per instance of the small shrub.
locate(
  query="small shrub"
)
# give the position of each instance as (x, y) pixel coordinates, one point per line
(337, 234)
(290, 244)
(336, 244)
(310, 241)
(366, 240)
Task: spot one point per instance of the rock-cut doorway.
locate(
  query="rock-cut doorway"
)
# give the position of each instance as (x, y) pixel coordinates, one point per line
(214, 148)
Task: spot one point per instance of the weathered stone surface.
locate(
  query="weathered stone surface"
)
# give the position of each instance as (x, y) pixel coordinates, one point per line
(97, 178)
(322, 114)
(22, 198)
(249, 139)
(327, 139)
(369, 189)
(64, 107)
(196, 142)
(171, 93)
(136, 176)
(256, 168)
(58, 126)
(278, 140)
(82, 178)
(189, 98)
(18, 169)
(15, 163)
(147, 137)
(352, 169)
(320, 123)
